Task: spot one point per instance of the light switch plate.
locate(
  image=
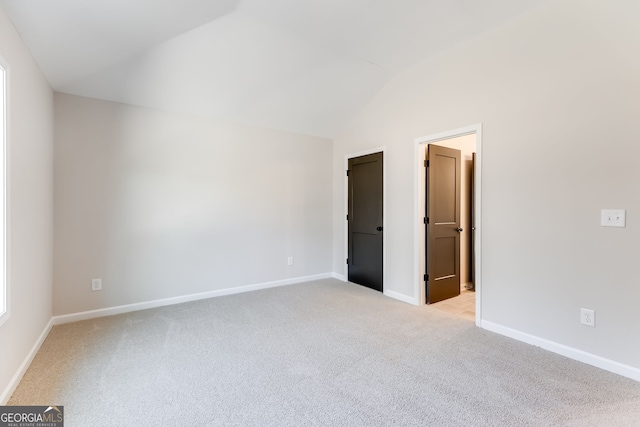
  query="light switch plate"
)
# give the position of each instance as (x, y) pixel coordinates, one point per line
(613, 218)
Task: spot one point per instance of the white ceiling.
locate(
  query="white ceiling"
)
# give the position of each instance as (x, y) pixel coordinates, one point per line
(301, 65)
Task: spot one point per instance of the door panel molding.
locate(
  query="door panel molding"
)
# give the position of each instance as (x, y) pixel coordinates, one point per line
(443, 228)
(420, 145)
(345, 209)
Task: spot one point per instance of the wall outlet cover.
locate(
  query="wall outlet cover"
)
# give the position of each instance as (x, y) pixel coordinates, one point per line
(588, 317)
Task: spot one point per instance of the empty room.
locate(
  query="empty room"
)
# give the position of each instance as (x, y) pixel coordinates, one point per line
(358, 213)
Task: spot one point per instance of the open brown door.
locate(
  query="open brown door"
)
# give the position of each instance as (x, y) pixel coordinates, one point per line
(443, 223)
(472, 275)
(365, 220)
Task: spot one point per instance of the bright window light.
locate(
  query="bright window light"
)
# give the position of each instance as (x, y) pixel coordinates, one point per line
(3, 245)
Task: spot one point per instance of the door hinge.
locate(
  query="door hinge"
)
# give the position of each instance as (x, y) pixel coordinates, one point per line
(426, 220)
(347, 261)
(347, 217)
(426, 163)
(426, 277)
(347, 172)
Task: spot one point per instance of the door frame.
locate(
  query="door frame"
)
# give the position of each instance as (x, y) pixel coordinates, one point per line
(382, 150)
(419, 211)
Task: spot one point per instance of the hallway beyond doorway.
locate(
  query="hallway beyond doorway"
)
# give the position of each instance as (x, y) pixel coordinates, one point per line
(463, 306)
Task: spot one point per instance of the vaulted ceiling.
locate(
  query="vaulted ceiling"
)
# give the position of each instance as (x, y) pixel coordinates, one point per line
(301, 65)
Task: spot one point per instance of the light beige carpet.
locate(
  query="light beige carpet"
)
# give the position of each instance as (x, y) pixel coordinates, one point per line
(323, 353)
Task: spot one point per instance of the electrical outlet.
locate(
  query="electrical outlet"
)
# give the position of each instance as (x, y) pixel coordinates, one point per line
(96, 284)
(290, 260)
(588, 317)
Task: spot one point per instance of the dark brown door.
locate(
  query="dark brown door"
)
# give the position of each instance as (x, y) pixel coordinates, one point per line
(472, 274)
(443, 223)
(365, 221)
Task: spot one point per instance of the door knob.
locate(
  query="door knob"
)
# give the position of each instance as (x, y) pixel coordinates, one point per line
(379, 228)
(459, 230)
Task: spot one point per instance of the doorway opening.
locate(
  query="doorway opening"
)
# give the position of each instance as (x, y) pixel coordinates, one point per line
(467, 140)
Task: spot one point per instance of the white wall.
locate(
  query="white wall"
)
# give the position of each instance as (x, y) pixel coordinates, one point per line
(160, 204)
(558, 94)
(30, 205)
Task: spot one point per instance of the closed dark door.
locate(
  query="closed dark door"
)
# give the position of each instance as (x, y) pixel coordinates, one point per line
(365, 221)
(443, 223)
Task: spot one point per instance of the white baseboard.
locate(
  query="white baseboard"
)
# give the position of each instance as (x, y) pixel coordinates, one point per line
(339, 277)
(401, 297)
(570, 352)
(390, 294)
(110, 311)
(11, 387)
